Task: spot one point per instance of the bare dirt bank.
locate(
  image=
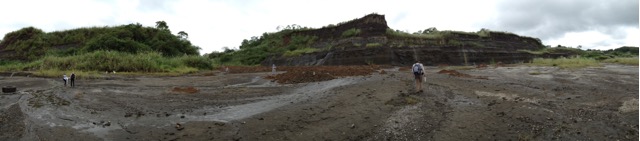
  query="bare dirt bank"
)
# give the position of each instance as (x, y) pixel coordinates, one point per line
(517, 103)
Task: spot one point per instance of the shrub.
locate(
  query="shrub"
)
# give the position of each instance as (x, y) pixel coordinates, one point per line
(298, 52)
(373, 44)
(567, 62)
(351, 32)
(111, 42)
(199, 62)
(121, 62)
(429, 35)
(623, 60)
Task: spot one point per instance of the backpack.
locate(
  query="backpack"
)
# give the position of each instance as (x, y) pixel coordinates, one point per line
(417, 68)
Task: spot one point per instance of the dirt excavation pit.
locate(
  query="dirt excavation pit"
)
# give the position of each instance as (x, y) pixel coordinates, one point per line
(331, 103)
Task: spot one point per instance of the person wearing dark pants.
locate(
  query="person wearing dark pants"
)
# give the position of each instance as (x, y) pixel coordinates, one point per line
(418, 73)
(64, 78)
(73, 78)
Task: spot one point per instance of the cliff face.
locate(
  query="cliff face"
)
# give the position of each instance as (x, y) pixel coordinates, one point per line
(432, 55)
(370, 25)
(377, 44)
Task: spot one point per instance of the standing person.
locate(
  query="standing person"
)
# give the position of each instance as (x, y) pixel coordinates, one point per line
(273, 69)
(418, 73)
(64, 77)
(73, 78)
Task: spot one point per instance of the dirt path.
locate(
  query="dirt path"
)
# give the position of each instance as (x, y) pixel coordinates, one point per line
(517, 103)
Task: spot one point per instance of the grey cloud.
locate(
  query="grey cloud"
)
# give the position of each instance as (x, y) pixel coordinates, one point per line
(548, 19)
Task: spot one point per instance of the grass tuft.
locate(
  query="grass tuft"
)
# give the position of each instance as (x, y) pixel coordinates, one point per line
(567, 63)
(299, 52)
(623, 60)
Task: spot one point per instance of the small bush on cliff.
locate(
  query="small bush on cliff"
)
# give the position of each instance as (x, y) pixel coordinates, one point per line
(299, 52)
(373, 45)
(422, 34)
(351, 32)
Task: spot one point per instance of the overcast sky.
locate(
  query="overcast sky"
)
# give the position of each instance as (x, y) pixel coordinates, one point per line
(214, 24)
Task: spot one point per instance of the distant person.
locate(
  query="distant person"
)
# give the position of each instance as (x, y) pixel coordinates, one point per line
(65, 78)
(73, 78)
(418, 73)
(273, 69)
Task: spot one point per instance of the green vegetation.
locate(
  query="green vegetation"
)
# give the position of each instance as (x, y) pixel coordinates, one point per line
(585, 61)
(351, 32)
(253, 51)
(625, 52)
(298, 52)
(115, 61)
(567, 62)
(535, 73)
(623, 60)
(622, 55)
(125, 48)
(31, 43)
(446, 37)
(430, 33)
(585, 58)
(373, 45)
(553, 50)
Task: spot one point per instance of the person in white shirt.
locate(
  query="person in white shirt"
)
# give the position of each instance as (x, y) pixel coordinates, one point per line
(273, 69)
(65, 78)
(418, 73)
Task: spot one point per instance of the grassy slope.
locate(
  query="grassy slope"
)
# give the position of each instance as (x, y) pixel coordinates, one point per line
(125, 48)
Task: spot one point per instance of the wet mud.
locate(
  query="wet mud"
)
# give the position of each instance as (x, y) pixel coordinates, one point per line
(487, 103)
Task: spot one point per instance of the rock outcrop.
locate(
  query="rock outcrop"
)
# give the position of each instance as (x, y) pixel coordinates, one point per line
(376, 43)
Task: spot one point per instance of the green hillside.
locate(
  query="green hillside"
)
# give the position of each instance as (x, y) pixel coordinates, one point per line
(131, 47)
(32, 43)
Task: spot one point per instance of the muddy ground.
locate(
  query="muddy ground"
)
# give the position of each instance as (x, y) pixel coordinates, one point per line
(503, 103)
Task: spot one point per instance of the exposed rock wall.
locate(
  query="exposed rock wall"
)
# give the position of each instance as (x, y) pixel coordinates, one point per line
(355, 51)
(375, 46)
(437, 55)
(370, 25)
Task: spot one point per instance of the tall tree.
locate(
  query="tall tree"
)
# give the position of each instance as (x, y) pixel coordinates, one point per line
(430, 30)
(162, 25)
(183, 35)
